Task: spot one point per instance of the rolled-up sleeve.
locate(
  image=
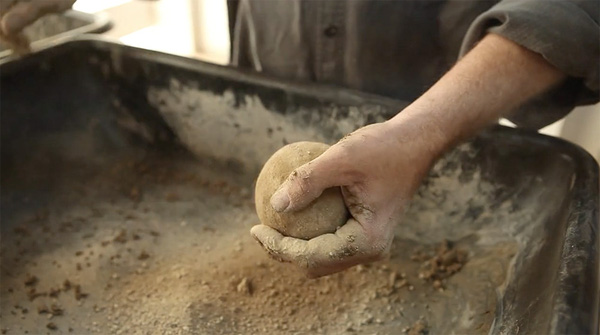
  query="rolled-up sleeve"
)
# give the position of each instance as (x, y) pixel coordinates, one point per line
(566, 33)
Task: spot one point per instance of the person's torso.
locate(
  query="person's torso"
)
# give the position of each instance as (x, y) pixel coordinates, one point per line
(394, 48)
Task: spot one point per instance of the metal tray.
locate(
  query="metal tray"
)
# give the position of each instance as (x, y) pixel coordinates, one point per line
(129, 173)
(54, 28)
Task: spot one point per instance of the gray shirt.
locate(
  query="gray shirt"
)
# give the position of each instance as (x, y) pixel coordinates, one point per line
(400, 48)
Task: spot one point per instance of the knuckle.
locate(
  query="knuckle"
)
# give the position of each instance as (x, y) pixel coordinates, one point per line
(343, 159)
(302, 179)
(273, 254)
(344, 151)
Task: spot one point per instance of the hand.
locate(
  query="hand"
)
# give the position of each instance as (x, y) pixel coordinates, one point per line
(15, 15)
(379, 168)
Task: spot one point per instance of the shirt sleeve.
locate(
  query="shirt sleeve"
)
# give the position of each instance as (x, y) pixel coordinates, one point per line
(566, 33)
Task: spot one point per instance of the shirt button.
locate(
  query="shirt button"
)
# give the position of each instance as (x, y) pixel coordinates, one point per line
(331, 31)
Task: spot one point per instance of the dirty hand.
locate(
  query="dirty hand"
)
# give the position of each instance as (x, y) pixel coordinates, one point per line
(379, 168)
(15, 15)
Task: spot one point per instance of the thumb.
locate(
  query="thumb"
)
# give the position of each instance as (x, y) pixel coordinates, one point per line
(307, 183)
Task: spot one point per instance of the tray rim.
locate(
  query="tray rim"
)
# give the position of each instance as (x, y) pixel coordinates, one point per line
(97, 23)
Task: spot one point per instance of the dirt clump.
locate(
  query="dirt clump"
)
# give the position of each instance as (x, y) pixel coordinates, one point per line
(418, 328)
(324, 215)
(121, 236)
(30, 280)
(143, 255)
(79, 294)
(245, 286)
(208, 276)
(445, 262)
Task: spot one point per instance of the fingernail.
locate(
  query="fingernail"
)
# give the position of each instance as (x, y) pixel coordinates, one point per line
(280, 201)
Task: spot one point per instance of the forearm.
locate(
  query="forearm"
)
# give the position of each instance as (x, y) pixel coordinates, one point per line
(488, 83)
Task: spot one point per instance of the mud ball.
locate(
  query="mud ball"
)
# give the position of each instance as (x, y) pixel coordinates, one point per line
(323, 215)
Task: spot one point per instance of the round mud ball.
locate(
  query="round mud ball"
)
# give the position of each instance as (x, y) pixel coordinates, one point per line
(323, 215)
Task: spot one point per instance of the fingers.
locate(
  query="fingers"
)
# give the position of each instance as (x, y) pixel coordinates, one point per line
(307, 182)
(282, 248)
(348, 246)
(325, 254)
(22, 14)
(19, 43)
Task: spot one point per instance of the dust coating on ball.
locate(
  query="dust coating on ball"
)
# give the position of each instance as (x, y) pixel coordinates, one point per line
(324, 215)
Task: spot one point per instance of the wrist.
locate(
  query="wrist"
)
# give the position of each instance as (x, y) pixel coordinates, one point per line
(423, 131)
(487, 84)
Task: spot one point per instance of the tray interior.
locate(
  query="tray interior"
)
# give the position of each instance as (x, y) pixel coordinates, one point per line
(133, 178)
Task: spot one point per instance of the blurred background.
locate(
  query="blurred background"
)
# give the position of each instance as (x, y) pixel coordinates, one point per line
(191, 28)
(199, 29)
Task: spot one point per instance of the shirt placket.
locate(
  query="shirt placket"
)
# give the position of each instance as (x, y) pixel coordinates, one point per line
(329, 40)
